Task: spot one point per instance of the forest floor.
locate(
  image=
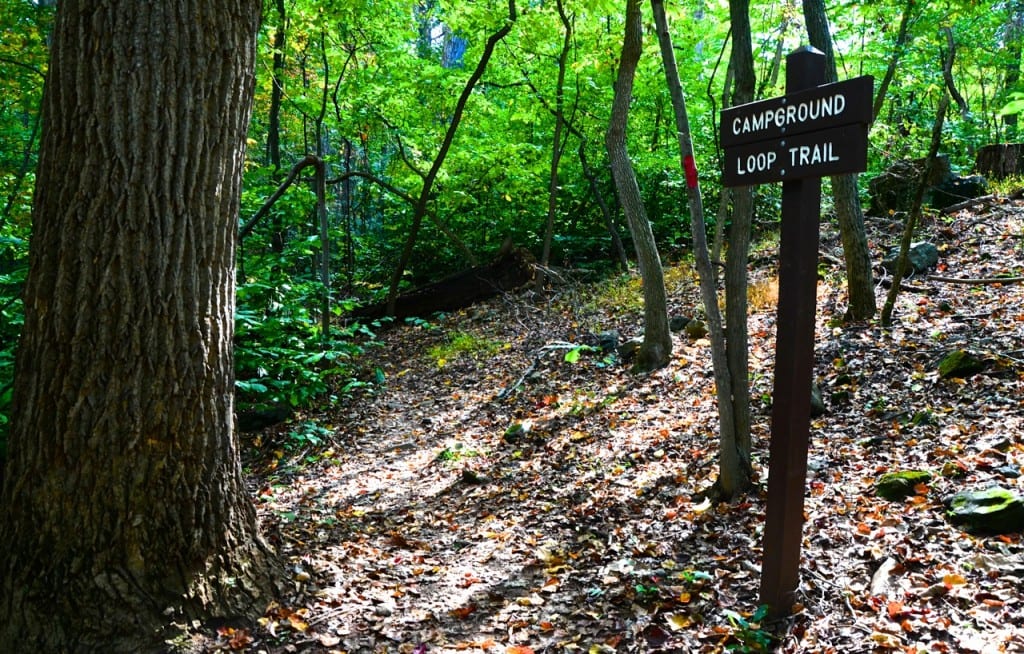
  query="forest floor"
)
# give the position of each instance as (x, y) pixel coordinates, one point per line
(453, 509)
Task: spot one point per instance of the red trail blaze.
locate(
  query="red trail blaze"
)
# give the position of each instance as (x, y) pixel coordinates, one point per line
(691, 171)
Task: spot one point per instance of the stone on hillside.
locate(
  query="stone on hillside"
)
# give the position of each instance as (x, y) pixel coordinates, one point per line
(957, 190)
(679, 323)
(628, 349)
(991, 511)
(960, 364)
(921, 257)
(696, 329)
(817, 402)
(897, 486)
(608, 341)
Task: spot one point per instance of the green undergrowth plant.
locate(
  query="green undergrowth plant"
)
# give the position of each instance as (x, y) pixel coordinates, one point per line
(281, 356)
(747, 632)
(464, 344)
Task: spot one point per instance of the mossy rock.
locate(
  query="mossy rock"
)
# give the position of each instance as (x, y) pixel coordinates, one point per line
(991, 511)
(960, 364)
(896, 486)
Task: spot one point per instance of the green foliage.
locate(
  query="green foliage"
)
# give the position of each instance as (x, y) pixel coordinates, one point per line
(463, 344)
(307, 434)
(280, 353)
(370, 88)
(747, 634)
(456, 452)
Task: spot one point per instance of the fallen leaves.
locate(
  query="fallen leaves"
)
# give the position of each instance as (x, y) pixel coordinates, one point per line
(588, 535)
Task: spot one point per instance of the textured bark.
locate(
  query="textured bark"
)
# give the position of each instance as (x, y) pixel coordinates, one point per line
(557, 144)
(124, 505)
(657, 346)
(898, 50)
(859, 280)
(734, 476)
(736, 335)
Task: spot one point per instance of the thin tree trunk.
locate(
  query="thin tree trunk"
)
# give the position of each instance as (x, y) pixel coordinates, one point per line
(124, 507)
(657, 346)
(733, 476)
(277, 237)
(618, 249)
(922, 186)
(557, 145)
(420, 208)
(898, 50)
(859, 279)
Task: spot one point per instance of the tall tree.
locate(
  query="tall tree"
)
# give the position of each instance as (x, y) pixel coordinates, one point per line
(859, 281)
(124, 508)
(657, 344)
(734, 462)
(427, 188)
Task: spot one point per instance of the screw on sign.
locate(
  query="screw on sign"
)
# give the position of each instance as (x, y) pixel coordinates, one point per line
(815, 130)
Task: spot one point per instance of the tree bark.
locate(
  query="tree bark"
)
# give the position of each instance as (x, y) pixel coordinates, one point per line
(899, 48)
(739, 248)
(124, 508)
(859, 280)
(557, 144)
(734, 468)
(657, 346)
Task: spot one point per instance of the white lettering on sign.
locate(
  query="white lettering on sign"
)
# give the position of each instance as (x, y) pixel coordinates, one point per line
(756, 163)
(810, 155)
(792, 114)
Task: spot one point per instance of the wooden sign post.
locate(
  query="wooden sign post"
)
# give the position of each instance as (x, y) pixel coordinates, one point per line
(814, 130)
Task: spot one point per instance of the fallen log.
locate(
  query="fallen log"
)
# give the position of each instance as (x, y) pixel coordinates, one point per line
(513, 268)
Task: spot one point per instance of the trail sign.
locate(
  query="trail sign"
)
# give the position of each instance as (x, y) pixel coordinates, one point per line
(814, 130)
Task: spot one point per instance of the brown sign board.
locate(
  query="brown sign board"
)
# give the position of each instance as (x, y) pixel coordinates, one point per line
(810, 110)
(819, 154)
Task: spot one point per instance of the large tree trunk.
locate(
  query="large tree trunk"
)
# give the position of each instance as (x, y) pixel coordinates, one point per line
(657, 346)
(124, 505)
(859, 281)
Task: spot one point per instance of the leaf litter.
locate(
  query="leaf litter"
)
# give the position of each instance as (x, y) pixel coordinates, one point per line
(444, 515)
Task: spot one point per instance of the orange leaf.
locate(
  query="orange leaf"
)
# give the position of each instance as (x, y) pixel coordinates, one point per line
(894, 609)
(519, 649)
(863, 528)
(463, 612)
(954, 579)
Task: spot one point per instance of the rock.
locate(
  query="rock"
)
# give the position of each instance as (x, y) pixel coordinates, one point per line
(678, 323)
(993, 510)
(960, 364)
(958, 189)
(608, 341)
(628, 349)
(696, 329)
(896, 486)
(1010, 472)
(817, 402)
(894, 189)
(921, 257)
